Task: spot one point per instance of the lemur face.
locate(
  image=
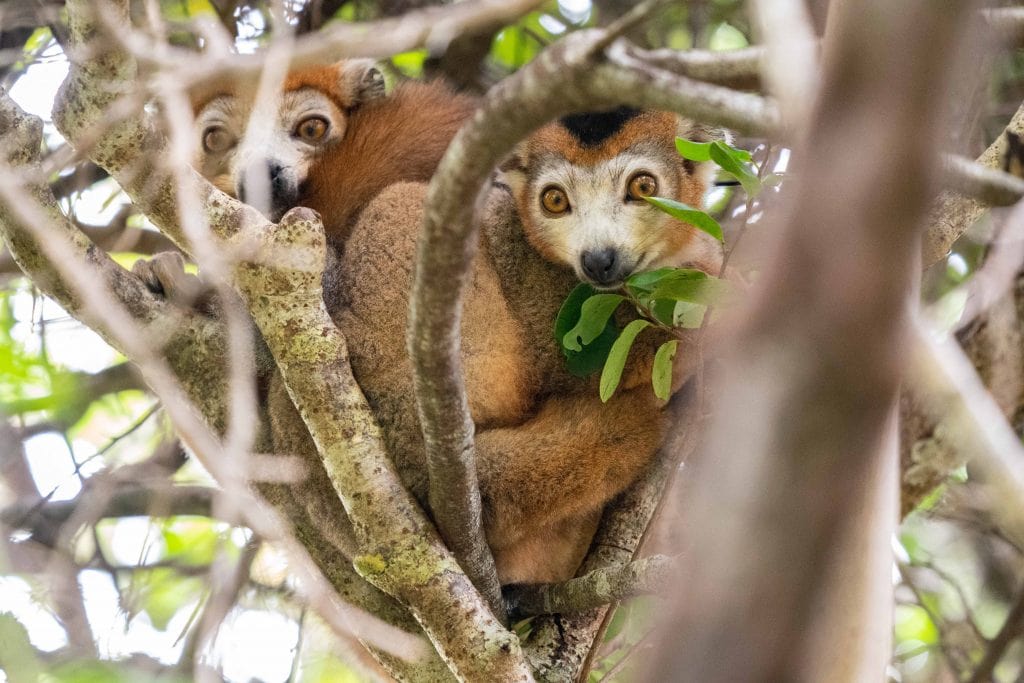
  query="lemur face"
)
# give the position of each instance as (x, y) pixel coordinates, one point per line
(580, 184)
(263, 157)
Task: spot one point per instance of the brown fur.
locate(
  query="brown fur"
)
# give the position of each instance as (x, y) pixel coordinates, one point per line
(399, 138)
(546, 465)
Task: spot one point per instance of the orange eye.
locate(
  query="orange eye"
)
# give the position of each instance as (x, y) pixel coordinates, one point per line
(642, 185)
(553, 200)
(217, 139)
(311, 129)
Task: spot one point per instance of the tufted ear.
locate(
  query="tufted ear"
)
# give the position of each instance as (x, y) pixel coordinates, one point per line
(512, 171)
(360, 80)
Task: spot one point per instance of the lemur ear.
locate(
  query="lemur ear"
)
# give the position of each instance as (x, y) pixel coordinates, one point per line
(361, 80)
(512, 171)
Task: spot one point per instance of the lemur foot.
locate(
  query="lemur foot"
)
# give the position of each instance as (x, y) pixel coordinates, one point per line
(165, 274)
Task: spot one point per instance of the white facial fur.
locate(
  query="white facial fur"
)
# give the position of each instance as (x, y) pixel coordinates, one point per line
(601, 215)
(257, 144)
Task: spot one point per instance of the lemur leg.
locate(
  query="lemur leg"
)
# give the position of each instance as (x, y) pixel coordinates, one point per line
(566, 461)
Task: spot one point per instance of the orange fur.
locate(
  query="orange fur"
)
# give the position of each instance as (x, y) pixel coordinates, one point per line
(398, 138)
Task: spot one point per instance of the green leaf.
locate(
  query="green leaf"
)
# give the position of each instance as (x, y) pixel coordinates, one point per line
(592, 357)
(594, 316)
(16, 651)
(688, 315)
(687, 213)
(736, 153)
(664, 310)
(612, 373)
(707, 290)
(648, 280)
(724, 156)
(661, 374)
(694, 151)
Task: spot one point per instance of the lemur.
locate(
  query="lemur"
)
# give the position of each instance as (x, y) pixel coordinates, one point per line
(333, 144)
(568, 206)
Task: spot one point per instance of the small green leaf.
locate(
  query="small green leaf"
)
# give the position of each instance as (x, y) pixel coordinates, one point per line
(612, 373)
(707, 290)
(694, 151)
(648, 280)
(688, 315)
(661, 374)
(594, 316)
(592, 357)
(724, 156)
(735, 152)
(687, 213)
(664, 310)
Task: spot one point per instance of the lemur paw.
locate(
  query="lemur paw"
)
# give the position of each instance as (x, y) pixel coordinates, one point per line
(164, 274)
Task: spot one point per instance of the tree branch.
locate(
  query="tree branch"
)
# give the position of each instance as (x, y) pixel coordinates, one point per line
(740, 69)
(953, 214)
(808, 388)
(985, 184)
(598, 588)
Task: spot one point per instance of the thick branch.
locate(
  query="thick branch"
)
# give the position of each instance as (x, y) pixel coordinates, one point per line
(808, 389)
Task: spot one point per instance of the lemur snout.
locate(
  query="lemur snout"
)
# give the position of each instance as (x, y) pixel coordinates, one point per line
(604, 266)
(268, 186)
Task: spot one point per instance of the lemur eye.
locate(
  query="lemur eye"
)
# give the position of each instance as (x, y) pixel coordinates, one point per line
(641, 185)
(217, 139)
(553, 200)
(311, 129)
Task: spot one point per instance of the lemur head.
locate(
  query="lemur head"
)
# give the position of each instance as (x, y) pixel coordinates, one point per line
(580, 184)
(263, 158)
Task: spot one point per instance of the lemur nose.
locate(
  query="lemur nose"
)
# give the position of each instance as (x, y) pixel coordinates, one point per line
(601, 266)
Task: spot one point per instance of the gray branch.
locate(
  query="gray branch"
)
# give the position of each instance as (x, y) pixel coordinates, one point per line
(594, 589)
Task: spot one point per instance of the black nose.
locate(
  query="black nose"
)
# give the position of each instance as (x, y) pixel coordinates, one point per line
(602, 266)
(269, 187)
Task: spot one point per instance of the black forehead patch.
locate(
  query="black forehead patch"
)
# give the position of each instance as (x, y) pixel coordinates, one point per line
(593, 128)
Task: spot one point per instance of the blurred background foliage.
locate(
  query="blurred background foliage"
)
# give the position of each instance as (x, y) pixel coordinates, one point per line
(117, 595)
